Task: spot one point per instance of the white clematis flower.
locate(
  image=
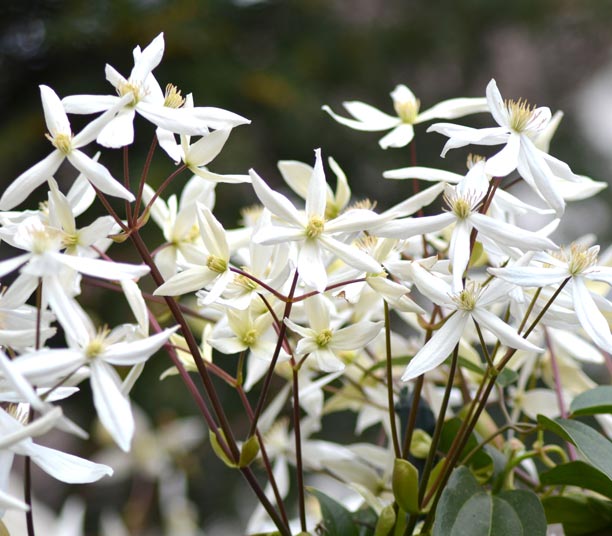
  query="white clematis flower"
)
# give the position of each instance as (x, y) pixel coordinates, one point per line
(99, 350)
(145, 96)
(470, 303)
(406, 106)
(67, 146)
(323, 340)
(311, 231)
(520, 125)
(579, 264)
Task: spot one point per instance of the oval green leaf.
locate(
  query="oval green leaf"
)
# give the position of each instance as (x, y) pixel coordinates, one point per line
(594, 401)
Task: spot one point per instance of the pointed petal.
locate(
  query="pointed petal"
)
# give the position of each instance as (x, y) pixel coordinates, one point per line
(414, 226)
(438, 348)
(112, 406)
(316, 198)
(355, 337)
(459, 252)
(119, 131)
(351, 255)
(55, 115)
(276, 203)
(454, 108)
(133, 352)
(218, 118)
(29, 180)
(212, 233)
(511, 235)
(506, 161)
(101, 268)
(400, 136)
(206, 148)
(367, 117)
(148, 59)
(423, 173)
(177, 120)
(590, 317)
(506, 334)
(98, 175)
(496, 104)
(186, 281)
(66, 467)
(311, 266)
(88, 104)
(531, 276)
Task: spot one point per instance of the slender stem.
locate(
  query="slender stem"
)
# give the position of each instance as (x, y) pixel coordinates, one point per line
(390, 398)
(558, 387)
(264, 456)
(298, 449)
(483, 345)
(110, 210)
(144, 175)
(279, 343)
(435, 440)
(164, 185)
(27, 492)
(126, 182)
(194, 349)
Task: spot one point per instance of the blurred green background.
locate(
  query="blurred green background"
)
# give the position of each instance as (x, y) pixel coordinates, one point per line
(277, 62)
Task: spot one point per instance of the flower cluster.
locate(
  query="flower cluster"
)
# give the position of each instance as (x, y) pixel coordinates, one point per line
(345, 305)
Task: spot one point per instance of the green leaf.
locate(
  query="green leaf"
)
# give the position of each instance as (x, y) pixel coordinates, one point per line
(365, 520)
(596, 448)
(337, 520)
(579, 514)
(406, 485)
(466, 508)
(594, 401)
(579, 474)
(506, 377)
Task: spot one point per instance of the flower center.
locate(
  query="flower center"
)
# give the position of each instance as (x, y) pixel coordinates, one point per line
(245, 282)
(61, 141)
(96, 345)
(521, 113)
(467, 298)
(173, 97)
(315, 226)
(407, 110)
(216, 264)
(250, 337)
(135, 88)
(579, 258)
(324, 337)
(462, 205)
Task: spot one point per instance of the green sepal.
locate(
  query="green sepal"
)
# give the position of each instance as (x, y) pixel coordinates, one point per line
(386, 521)
(214, 442)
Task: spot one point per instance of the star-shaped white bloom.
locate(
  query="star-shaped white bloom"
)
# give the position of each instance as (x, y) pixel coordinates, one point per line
(464, 201)
(579, 264)
(67, 146)
(100, 351)
(323, 340)
(145, 96)
(469, 303)
(406, 106)
(314, 235)
(519, 127)
(205, 268)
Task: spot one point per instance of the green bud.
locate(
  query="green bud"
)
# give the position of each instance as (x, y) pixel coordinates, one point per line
(249, 451)
(385, 522)
(420, 444)
(214, 443)
(406, 485)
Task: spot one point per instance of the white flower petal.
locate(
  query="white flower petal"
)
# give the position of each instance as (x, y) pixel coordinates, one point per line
(101, 268)
(206, 148)
(119, 131)
(506, 161)
(438, 348)
(276, 203)
(186, 281)
(29, 180)
(98, 175)
(496, 104)
(317, 189)
(55, 115)
(505, 333)
(311, 266)
(66, 467)
(148, 59)
(454, 108)
(133, 352)
(400, 136)
(355, 337)
(367, 117)
(351, 255)
(590, 317)
(112, 406)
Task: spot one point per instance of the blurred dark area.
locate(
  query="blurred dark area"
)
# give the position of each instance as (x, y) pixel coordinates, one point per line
(277, 62)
